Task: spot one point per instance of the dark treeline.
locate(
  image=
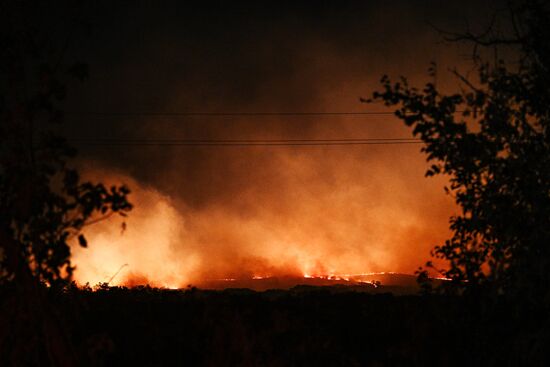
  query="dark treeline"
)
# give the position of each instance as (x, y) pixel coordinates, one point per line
(305, 326)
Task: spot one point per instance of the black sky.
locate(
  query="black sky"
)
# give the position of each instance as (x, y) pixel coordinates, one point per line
(248, 57)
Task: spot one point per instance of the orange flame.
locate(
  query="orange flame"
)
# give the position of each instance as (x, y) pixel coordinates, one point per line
(169, 244)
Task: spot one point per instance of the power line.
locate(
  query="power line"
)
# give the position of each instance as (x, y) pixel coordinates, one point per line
(229, 114)
(234, 114)
(251, 144)
(239, 140)
(243, 142)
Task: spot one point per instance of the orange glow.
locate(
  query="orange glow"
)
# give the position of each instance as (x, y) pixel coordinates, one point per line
(146, 247)
(205, 214)
(328, 237)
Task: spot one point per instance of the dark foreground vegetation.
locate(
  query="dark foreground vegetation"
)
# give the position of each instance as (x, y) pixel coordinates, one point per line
(304, 326)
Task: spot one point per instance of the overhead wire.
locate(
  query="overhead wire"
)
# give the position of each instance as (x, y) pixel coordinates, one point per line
(239, 142)
(234, 114)
(243, 142)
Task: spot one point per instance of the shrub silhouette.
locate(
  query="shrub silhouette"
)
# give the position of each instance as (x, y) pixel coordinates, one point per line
(493, 141)
(43, 202)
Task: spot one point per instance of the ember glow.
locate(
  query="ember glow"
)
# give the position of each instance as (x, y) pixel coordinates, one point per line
(333, 234)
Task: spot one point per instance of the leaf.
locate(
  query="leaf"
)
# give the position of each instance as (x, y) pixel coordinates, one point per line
(79, 70)
(82, 241)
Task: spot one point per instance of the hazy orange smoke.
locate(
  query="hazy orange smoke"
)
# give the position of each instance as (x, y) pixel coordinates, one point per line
(204, 213)
(324, 212)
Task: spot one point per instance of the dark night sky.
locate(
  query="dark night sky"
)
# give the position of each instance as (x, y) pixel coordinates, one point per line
(215, 57)
(267, 210)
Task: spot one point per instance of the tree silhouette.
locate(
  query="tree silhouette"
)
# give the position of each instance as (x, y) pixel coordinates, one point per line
(492, 139)
(43, 202)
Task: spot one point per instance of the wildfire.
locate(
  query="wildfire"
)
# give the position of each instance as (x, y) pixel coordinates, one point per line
(263, 282)
(167, 244)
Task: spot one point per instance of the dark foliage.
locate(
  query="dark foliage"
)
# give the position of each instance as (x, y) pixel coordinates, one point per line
(313, 327)
(493, 141)
(43, 202)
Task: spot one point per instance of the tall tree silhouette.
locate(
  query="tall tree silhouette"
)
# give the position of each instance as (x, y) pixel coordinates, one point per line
(43, 202)
(492, 139)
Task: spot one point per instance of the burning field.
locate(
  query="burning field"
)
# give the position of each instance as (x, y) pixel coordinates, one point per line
(205, 213)
(328, 237)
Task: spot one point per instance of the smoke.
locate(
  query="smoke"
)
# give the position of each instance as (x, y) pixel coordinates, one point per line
(141, 251)
(320, 211)
(231, 212)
